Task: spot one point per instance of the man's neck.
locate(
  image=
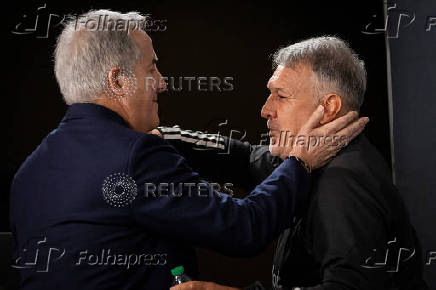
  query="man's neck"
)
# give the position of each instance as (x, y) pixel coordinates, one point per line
(117, 107)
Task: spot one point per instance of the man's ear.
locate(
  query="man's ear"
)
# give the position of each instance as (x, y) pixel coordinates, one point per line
(115, 82)
(332, 106)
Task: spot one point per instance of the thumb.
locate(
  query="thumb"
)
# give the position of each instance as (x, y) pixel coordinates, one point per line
(155, 132)
(314, 119)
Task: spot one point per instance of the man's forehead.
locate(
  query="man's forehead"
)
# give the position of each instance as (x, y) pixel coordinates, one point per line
(144, 43)
(280, 76)
(284, 77)
(141, 39)
(139, 33)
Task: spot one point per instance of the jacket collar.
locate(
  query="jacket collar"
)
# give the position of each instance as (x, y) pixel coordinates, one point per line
(90, 110)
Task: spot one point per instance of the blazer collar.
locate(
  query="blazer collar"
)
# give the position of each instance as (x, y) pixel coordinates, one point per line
(90, 110)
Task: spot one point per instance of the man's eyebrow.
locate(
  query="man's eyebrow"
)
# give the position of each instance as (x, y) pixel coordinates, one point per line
(273, 87)
(284, 92)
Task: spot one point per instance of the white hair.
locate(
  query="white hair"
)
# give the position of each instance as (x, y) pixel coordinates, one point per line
(89, 46)
(337, 68)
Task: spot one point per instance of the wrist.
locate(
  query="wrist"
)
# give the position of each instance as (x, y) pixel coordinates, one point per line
(303, 163)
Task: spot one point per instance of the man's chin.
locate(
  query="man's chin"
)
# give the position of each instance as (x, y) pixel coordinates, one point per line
(156, 122)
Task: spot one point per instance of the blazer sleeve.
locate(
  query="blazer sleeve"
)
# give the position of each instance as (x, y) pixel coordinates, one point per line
(188, 209)
(221, 158)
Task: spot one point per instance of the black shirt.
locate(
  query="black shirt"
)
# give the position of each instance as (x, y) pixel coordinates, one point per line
(355, 215)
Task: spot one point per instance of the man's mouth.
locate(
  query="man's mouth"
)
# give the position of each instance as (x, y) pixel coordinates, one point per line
(272, 131)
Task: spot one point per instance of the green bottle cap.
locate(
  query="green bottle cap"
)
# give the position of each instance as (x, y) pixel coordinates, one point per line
(177, 271)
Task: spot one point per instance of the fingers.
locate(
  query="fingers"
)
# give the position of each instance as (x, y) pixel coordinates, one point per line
(314, 119)
(155, 132)
(329, 139)
(330, 153)
(188, 285)
(200, 285)
(336, 125)
(354, 129)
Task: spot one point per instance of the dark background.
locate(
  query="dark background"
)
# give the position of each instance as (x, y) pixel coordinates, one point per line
(223, 39)
(413, 64)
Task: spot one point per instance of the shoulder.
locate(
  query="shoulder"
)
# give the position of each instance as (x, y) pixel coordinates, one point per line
(338, 188)
(153, 157)
(151, 146)
(359, 165)
(358, 179)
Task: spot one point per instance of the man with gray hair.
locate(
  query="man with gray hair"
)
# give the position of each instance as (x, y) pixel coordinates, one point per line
(102, 204)
(355, 216)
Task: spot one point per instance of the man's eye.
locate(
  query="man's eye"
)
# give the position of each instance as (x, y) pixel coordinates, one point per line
(282, 97)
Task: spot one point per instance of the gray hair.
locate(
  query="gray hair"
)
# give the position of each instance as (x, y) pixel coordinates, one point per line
(337, 68)
(89, 46)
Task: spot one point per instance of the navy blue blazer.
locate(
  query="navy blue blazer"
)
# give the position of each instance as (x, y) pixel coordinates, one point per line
(98, 205)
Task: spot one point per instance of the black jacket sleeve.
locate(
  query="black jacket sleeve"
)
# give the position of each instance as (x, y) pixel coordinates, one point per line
(221, 158)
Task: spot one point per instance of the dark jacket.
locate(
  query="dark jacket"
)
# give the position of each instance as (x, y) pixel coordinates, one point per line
(86, 214)
(355, 215)
(356, 233)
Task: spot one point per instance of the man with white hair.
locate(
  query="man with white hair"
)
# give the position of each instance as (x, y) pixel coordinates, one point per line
(85, 212)
(356, 233)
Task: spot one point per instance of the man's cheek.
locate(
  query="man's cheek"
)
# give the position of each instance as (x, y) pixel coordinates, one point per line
(272, 140)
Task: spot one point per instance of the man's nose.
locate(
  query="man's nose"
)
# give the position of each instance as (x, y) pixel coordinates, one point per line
(267, 111)
(162, 85)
